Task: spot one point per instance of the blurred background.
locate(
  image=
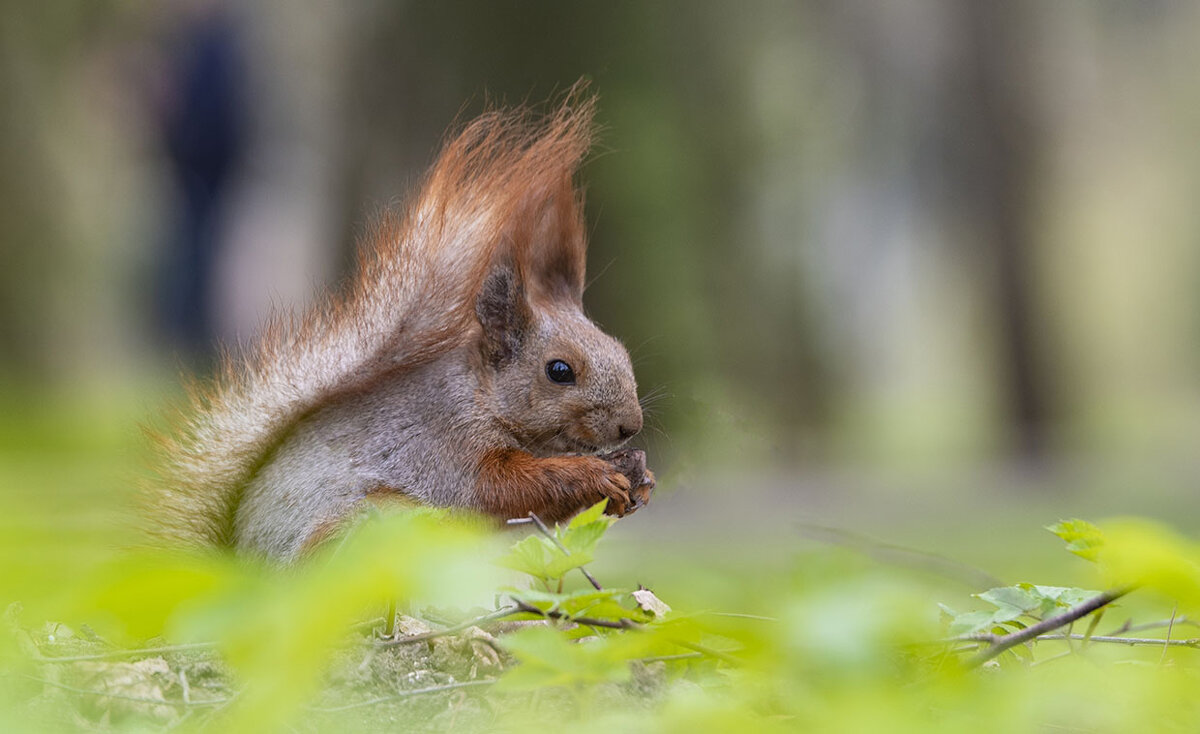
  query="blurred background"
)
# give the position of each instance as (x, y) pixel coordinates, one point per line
(931, 259)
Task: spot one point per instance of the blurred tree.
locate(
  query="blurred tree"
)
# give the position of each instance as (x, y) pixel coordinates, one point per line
(995, 104)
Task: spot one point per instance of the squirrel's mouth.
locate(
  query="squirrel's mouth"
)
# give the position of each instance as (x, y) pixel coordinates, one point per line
(585, 448)
(564, 445)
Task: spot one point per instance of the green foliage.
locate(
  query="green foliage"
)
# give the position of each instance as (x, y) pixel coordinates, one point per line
(1012, 604)
(830, 631)
(549, 658)
(1083, 538)
(547, 561)
(1139, 552)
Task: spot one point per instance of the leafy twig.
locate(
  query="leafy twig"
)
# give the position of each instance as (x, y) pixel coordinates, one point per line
(544, 530)
(621, 624)
(1000, 643)
(500, 613)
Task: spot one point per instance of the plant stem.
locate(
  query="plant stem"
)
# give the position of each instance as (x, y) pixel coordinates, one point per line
(489, 617)
(1131, 641)
(112, 654)
(622, 624)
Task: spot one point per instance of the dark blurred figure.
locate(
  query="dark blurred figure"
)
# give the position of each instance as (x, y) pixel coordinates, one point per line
(204, 128)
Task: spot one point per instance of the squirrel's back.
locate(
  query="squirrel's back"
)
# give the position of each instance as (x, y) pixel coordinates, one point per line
(411, 300)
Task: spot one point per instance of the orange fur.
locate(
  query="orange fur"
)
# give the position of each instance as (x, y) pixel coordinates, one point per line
(513, 483)
(501, 188)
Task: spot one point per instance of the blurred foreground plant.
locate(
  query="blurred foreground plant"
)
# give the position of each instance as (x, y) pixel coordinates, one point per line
(846, 645)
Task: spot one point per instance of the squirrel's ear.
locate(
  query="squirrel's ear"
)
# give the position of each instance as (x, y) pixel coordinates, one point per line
(557, 256)
(504, 314)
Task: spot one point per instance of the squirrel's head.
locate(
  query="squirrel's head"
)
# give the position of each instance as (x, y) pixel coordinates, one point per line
(562, 385)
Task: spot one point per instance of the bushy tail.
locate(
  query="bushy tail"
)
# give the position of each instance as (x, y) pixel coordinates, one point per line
(412, 300)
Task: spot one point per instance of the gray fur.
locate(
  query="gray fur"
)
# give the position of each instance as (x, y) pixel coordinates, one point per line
(422, 433)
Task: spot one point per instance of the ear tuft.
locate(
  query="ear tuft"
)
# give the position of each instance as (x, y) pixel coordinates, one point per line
(556, 253)
(504, 314)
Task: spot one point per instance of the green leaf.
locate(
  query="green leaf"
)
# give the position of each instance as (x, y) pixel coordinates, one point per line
(970, 623)
(548, 659)
(590, 515)
(1151, 554)
(531, 555)
(1066, 596)
(606, 604)
(1039, 602)
(541, 558)
(1011, 602)
(586, 530)
(1083, 538)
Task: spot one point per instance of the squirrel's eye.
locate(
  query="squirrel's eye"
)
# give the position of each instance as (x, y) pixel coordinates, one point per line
(560, 372)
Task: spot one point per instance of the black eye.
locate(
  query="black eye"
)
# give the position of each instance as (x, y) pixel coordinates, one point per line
(560, 372)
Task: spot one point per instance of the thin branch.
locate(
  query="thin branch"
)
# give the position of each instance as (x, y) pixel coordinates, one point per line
(709, 652)
(1091, 630)
(1003, 642)
(111, 654)
(897, 555)
(622, 624)
(489, 617)
(672, 658)
(1129, 626)
(1170, 628)
(740, 615)
(403, 695)
(137, 699)
(1131, 641)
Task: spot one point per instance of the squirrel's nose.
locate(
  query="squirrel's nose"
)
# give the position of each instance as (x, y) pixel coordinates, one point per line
(630, 426)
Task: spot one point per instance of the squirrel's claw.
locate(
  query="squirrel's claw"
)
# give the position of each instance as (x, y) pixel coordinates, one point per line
(616, 489)
(631, 464)
(641, 493)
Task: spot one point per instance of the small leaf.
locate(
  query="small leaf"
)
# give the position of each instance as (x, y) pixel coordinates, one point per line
(590, 515)
(586, 530)
(548, 659)
(531, 555)
(1083, 538)
(970, 623)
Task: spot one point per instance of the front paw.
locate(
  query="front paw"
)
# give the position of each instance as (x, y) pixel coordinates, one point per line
(615, 486)
(640, 494)
(631, 464)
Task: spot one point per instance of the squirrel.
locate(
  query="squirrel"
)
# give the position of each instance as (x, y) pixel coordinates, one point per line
(457, 369)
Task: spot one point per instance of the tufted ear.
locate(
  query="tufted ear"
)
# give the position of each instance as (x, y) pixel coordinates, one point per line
(557, 246)
(504, 314)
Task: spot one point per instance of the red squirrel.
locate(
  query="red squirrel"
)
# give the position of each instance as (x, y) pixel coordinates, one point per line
(457, 370)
